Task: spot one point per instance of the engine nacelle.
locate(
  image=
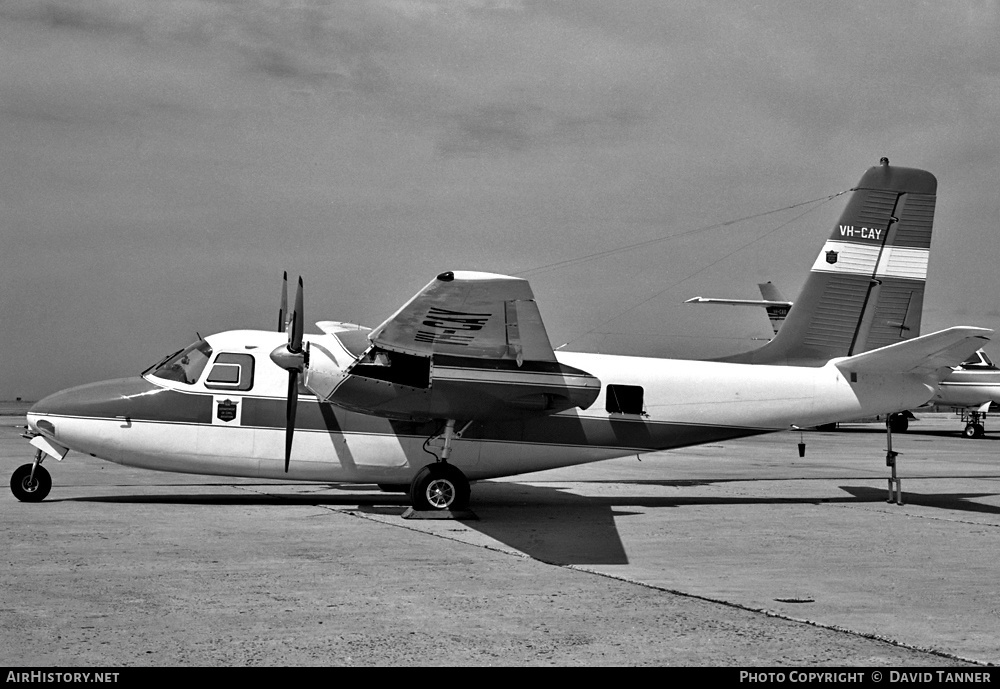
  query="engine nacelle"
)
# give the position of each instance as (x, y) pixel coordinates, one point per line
(407, 386)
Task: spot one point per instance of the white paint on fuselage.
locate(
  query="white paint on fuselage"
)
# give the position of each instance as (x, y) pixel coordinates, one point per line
(750, 395)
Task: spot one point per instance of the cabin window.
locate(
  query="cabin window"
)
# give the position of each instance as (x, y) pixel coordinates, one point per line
(231, 372)
(624, 399)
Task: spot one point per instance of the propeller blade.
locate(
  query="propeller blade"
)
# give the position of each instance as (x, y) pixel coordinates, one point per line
(283, 309)
(298, 323)
(293, 403)
(291, 357)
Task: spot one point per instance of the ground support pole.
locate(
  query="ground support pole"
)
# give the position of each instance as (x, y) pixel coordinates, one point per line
(895, 483)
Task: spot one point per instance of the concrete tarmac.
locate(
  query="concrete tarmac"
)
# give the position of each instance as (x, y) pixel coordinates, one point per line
(731, 554)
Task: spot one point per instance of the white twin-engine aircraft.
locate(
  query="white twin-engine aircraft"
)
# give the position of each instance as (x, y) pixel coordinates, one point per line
(462, 384)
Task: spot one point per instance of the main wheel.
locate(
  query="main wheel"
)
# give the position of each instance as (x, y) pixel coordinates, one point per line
(439, 486)
(898, 423)
(27, 490)
(971, 431)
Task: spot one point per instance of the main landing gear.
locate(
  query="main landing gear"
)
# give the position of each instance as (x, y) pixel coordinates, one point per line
(974, 427)
(900, 421)
(441, 486)
(31, 482)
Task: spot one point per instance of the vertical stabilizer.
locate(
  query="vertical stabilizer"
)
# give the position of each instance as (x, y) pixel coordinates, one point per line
(778, 306)
(866, 287)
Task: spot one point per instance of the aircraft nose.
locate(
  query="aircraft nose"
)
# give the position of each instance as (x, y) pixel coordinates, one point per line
(105, 400)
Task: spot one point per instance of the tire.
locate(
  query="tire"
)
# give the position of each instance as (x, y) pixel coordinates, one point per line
(980, 431)
(26, 490)
(970, 431)
(439, 486)
(898, 423)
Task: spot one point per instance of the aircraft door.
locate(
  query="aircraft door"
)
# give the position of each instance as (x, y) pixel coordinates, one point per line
(229, 377)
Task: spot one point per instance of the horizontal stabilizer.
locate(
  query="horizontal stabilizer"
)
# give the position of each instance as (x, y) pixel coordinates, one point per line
(920, 355)
(738, 302)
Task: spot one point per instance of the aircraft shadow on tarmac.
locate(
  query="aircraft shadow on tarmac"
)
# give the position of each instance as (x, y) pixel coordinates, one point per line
(351, 495)
(962, 502)
(547, 523)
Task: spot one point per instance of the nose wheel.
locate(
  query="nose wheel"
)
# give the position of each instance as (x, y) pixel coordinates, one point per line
(30, 483)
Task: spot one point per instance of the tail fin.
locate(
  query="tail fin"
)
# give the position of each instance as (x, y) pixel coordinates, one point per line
(866, 288)
(770, 292)
(775, 304)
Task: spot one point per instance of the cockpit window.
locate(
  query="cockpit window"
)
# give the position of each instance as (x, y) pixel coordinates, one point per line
(186, 365)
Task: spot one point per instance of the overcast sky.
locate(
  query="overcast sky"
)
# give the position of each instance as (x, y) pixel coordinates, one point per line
(161, 163)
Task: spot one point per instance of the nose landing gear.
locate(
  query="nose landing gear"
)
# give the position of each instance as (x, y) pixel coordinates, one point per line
(31, 482)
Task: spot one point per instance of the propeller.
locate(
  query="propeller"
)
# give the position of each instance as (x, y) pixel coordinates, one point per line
(291, 357)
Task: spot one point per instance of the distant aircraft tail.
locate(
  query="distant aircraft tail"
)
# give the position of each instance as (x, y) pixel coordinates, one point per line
(775, 304)
(866, 288)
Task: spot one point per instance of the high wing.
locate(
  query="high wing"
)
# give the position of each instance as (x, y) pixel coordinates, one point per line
(468, 346)
(469, 314)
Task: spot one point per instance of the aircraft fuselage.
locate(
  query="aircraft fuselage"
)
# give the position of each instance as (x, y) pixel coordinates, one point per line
(645, 405)
(968, 388)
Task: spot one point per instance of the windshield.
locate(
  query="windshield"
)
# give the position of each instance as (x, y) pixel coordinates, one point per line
(186, 365)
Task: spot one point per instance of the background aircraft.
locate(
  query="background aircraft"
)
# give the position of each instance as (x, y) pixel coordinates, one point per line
(773, 302)
(462, 383)
(969, 390)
